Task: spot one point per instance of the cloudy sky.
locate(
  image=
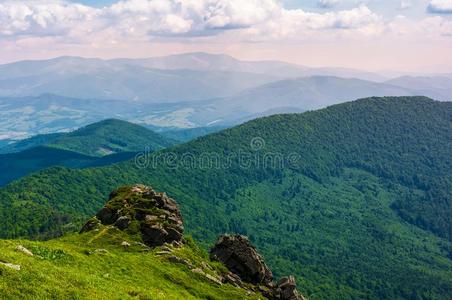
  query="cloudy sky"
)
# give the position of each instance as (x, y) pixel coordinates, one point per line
(412, 35)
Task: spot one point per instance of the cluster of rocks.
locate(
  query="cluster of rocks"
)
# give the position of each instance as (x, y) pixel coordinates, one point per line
(242, 259)
(157, 218)
(139, 209)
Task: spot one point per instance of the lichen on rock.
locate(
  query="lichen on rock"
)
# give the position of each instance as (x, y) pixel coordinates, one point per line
(140, 210)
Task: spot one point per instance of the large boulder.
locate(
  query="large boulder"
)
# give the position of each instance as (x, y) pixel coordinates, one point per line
(287, 289)
(241, 258)
(139, 209)
(245, 264)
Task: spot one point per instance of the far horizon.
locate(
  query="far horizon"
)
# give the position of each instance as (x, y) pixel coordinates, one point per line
(407, 36)
(389, 73)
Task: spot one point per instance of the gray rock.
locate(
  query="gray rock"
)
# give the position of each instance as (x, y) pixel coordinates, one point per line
(287, 288)
(90, 225)
(245, 264)
(107, 216)
(101, 251)
(150, 218)
(158, 216)
(154, 235)
(233, 279)
(122, 222)
(10, 265)
(178, 260)
(241, 258)
(24, 250)
(207, 276)
(125, 244)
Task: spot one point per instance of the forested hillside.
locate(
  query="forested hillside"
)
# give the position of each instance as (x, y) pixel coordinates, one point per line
(111, 136)
(17, 165)
(31, 142)
(98, 144)
(354, 199)
(98, 139)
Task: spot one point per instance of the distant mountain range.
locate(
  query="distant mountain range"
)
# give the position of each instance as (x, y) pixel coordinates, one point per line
(437, 87)
(48, 113)
(177, 78)
(220, 62)
(98, 79)
(180, 91)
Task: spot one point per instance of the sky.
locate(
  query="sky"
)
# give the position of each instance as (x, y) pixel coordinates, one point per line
(376, 35)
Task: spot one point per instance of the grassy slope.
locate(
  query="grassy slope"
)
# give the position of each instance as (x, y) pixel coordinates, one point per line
(71, 268)
(336, 228)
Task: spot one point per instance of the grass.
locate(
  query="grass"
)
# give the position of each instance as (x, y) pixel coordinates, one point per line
(95, 266)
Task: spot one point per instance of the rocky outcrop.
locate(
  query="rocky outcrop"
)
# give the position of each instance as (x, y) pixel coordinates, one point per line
(156, 219)
(241, 258)
(287, 289)
(139, 209)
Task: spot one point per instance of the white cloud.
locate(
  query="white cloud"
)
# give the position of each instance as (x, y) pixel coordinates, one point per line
(130, 21)
(328, 3)
(166, 17)
(431, 27)
(440, 7)
(437, 24)
(42, 17)
(405, 4)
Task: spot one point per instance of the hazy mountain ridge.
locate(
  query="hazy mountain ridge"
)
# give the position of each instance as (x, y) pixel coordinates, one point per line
(176, 78)
(437, 87)
(203, 90)
(26, 116)
(22, 117)
(208, 62)
(96, 78)
(307, 94)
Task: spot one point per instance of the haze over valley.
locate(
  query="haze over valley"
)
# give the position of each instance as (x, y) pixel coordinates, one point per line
(181, 91)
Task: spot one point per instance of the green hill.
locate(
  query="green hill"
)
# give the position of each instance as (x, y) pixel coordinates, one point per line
(354, 199)
(17, 165)
(188, 134)
(98, 139)
(34, 141)
(98, 144)
(109, 137)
